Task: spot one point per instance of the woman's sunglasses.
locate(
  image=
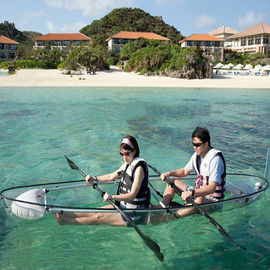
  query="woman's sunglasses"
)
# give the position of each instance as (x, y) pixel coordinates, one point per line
(126, 154)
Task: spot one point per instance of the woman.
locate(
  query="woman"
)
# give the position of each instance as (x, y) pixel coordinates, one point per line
(133, 191)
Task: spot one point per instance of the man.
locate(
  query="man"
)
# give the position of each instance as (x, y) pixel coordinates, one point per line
(210, 167)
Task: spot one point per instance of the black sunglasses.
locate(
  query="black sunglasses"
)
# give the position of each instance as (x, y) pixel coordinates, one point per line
(124, 154)
(197, 144)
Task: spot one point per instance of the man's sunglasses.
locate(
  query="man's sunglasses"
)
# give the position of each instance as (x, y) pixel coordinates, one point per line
(197, 144)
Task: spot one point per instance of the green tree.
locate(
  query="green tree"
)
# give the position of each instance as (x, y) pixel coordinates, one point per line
(93, 56)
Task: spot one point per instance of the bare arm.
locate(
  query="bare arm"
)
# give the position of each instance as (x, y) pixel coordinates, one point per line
(106, 177)
(176, 173)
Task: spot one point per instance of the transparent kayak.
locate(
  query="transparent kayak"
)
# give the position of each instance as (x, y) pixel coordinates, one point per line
(34, 201)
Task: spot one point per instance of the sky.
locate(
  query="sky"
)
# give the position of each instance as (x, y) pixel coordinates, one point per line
(187, 16)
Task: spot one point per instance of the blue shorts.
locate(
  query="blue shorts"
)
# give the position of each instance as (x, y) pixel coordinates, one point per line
(139, 218)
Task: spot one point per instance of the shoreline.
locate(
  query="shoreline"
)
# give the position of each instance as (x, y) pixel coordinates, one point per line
(118, 78)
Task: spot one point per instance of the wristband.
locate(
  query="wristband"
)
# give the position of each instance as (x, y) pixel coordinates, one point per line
(96, 180)
(170, 173)
(193, 192)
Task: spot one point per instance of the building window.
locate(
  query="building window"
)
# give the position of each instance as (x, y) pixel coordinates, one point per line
(40, 43)
(2, 55)
(217, 43)
(124, 41)
(207, 43)
(189, 43)
(243, 42)
(265, 40)
(66, 43)
(251, 41)
(116, 41)
(56, 43)
(12, 47)
(11, 55)
(198, 43)
(207, 51)
(258, 40)
(117, 49)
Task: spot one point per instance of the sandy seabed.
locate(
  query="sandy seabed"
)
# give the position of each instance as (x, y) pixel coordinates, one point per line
(118, 78)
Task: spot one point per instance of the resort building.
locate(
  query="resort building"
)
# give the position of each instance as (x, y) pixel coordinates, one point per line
(61, 41)
(208, 44)
(8, 49)
(224, 32)
(252, 40)
(118, 40)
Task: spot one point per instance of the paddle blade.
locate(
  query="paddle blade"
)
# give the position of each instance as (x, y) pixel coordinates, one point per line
(147, 240)
(71, 163)
(154, 247)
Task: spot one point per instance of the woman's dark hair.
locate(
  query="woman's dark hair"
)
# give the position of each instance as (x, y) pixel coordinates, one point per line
(130, 143)
(202, 133)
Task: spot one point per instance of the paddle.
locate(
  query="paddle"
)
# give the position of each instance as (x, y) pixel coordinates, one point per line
(190, 200)
(148, 241)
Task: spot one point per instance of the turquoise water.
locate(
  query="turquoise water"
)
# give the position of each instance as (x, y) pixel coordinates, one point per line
(40, 125)
(3, 73)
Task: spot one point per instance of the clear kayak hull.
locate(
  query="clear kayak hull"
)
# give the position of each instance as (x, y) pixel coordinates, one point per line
(32, 201)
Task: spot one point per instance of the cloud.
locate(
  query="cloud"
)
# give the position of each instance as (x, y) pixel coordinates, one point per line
(90, 8)
(169, 2)
(250, 19)
(204, 21)
(27, 16)
(72, 28)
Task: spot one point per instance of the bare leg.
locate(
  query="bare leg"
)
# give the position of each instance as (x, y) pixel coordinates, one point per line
(191, 210)
(170, 192)
(161, 217)
(114, 219)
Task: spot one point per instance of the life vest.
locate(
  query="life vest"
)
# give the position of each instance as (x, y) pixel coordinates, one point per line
(203, 180)
(127, 177)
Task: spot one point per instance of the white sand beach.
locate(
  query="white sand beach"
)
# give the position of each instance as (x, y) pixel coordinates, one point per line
(118, 78)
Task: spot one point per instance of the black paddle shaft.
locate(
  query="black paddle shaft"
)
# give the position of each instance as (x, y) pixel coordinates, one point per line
(148, 241)
(191, 201)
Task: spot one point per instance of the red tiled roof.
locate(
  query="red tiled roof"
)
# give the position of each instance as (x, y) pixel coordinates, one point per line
(6, 40)
(75, 36)
(257, 29)
(202, 37)
(136, 35)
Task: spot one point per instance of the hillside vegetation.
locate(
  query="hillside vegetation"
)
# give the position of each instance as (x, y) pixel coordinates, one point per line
(9, 30)
(153, 57)
(129, 19)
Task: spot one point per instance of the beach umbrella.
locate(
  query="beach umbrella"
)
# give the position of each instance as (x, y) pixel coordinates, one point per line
(226, 67)
(266, 68)
(248, 67)
(219, 65)
(239, 66)
(258, 67)
(230, 65)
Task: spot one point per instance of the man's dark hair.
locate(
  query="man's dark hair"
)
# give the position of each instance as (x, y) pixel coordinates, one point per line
(203, 134)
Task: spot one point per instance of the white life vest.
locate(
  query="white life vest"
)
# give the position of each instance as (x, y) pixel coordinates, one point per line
(143, 197)
(203, 180)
